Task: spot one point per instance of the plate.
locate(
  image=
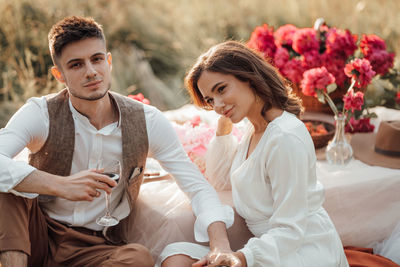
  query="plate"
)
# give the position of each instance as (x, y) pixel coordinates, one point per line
(321, 139)
(153, 167)
(161, 174)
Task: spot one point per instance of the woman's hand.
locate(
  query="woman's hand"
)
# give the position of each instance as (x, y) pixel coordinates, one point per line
(217, 258)
(224, 126)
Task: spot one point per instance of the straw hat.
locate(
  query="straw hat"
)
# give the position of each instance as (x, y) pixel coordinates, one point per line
(380, 149)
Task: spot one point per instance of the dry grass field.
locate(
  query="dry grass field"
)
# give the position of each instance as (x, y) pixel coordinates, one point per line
(153, 42)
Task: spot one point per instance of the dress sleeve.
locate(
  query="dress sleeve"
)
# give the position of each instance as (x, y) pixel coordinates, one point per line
(165, 147)
(287, 169)
(219, 158)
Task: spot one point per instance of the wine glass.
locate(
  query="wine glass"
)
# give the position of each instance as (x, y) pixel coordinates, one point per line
(112, 170)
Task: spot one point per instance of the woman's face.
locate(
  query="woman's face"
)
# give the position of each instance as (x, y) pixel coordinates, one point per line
(227, 95)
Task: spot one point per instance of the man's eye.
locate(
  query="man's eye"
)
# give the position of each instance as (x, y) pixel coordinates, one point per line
(75, 65)
(97, 59)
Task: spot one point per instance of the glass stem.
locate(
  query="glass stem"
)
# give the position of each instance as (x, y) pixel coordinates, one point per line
(108, 196)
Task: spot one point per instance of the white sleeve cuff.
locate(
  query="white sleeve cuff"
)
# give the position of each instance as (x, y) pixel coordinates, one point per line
(19, 172)
(222, 213)
(248, 254)
(224, 139)
(23, 194)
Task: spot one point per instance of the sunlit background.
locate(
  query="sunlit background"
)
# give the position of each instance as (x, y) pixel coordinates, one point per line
(154, 42)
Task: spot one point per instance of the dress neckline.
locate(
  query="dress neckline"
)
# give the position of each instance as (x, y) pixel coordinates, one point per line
(248, 139)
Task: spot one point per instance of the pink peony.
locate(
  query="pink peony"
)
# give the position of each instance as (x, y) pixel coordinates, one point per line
(361, 71)
(362, 125)
(194, 140)
(195, 136)
(340, 43)
(353, 101)
(371, 43)
(140, 97)
(336, 67)
(305, 40)
(284, 35)
(195, 121)
(397, 99)
(293, 70)
(381, 61)
(262, 39)
(281, 57)
(312, 59)
(316, 79)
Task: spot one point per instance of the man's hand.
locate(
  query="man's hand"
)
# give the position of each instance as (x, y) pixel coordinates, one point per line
(82, 186)
(220, 253)
(215, 258)
(224, 126)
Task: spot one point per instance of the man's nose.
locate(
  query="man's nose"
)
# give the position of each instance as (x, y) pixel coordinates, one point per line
(90, 70)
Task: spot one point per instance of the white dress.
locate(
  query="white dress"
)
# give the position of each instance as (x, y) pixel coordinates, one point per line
(277, 193)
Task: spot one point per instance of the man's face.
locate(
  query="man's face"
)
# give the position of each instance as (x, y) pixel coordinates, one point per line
(85, 68)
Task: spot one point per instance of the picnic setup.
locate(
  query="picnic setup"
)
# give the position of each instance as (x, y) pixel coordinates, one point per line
(204, 136)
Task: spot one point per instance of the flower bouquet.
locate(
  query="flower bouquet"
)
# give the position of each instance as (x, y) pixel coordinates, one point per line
(140, 97)
(195, 135)
(328, 50)
(318, 82)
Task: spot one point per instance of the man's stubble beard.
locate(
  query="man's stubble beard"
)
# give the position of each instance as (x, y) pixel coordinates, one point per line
(92, 98)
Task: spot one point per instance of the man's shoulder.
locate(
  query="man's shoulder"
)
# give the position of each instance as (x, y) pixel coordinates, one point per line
(63, 94)
(40, 101)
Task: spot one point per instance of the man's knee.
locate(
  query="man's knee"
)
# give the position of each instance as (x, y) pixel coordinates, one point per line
(13, 258)
(15, 207)
(130, 255)
(14, 227)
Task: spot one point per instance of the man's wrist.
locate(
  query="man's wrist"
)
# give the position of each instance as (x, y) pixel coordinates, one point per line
(241, 257)
(218, 236)
(52, 185)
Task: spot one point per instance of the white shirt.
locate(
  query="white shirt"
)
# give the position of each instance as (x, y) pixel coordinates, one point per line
(277, 193)
(29, 128)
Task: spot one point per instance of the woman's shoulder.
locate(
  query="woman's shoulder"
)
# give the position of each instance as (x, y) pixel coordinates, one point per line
(288, 129)
(287, 124)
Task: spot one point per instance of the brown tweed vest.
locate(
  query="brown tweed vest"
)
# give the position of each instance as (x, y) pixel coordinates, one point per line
(56, 154)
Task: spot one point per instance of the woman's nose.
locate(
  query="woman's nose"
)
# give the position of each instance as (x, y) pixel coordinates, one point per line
(218, 105)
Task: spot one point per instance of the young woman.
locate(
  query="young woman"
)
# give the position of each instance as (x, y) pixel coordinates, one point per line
(271, 171)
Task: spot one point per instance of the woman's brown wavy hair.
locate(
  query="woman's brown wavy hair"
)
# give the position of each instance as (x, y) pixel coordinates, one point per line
(246, 65)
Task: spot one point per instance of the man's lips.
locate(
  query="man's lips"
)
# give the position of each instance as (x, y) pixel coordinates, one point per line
(93, 83)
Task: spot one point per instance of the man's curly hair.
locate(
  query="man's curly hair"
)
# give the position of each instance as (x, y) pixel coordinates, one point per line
(72, 29)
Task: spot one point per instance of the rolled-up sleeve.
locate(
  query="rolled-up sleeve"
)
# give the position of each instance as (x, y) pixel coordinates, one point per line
(165, 147)
(219, 157)
(27, 128)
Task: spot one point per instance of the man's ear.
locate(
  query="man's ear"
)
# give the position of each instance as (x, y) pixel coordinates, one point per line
(109, 60)
(57, 74)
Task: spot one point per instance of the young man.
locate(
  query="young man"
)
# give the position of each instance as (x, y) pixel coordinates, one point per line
(68, 134)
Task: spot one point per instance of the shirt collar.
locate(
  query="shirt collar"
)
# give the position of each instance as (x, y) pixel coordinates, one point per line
(77, 115)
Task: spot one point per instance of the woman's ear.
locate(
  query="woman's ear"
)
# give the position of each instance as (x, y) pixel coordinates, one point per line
(57, 74)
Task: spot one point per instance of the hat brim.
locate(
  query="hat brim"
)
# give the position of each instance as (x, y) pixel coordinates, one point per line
(363, 145)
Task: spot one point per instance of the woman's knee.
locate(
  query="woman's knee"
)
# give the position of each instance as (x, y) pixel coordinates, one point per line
(179, 260)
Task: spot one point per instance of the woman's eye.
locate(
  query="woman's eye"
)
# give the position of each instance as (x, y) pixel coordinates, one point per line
(221, 89)
(209, 101)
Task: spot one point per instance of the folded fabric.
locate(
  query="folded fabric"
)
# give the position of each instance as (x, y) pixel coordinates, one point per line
(364, 257)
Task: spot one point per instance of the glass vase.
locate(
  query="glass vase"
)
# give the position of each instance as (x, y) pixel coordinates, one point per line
(339, 151)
